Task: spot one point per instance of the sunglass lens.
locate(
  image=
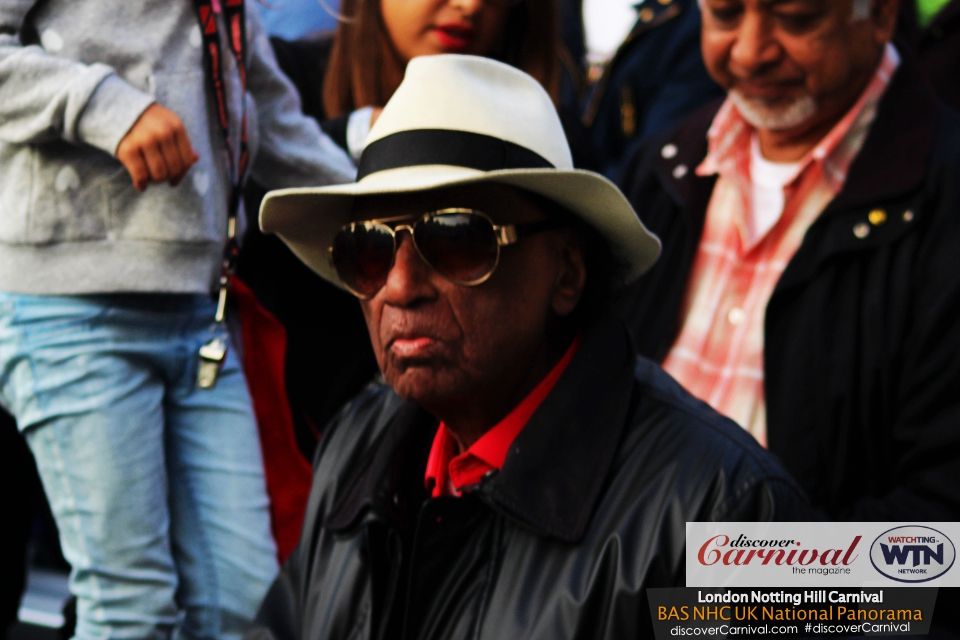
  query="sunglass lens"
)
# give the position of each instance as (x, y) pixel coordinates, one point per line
(460, 246)
(363, 256)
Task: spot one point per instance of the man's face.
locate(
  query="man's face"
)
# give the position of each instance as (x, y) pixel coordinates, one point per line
(439, 343)
(793, 65)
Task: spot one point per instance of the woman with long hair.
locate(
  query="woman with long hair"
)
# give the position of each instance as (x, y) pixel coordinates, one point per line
(376, 39)
(345, 78)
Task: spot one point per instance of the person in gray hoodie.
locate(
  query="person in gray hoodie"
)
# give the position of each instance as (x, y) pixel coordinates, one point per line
(115, 177)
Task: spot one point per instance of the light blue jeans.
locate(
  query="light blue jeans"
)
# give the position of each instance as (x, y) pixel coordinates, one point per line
(157, 487)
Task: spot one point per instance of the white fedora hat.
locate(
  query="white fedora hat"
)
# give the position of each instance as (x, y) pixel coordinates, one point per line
(459, 120)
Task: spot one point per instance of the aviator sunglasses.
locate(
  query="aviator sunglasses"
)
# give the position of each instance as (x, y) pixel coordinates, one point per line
(462, 245)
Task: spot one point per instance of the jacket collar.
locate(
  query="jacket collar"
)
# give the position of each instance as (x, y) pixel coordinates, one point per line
(905, 128)
(676, 162)
(555, 470)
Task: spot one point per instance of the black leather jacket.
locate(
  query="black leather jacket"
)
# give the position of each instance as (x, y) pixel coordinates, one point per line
(587, 512)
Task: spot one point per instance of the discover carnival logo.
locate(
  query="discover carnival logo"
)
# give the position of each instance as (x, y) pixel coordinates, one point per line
(912, 554)
(742, 551)
(820, 554)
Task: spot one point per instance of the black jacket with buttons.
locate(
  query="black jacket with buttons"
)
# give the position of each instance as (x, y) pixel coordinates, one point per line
(862, 332)
(588, 511)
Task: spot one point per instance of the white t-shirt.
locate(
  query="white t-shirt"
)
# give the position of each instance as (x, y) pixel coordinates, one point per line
(605, 24)
(767, 181)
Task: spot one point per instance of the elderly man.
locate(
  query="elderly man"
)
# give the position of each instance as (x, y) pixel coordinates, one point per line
(810, 282)
(521, 474)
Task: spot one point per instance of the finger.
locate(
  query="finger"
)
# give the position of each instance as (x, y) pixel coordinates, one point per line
(171, 157)
(185, 155)
(136, 167)
(153, 155)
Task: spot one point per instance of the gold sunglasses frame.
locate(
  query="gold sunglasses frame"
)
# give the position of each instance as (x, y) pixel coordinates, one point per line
(505, 234)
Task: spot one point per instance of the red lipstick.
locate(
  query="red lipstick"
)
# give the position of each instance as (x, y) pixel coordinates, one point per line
(454, 37)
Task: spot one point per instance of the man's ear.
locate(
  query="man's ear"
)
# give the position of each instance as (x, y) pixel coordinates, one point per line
(571, 277)
(884, 15)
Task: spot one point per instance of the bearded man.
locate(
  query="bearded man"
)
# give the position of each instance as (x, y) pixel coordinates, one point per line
(810, 282)
(520, 474)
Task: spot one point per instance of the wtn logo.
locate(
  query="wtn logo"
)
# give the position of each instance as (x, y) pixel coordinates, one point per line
(900, 554)
(912, 554)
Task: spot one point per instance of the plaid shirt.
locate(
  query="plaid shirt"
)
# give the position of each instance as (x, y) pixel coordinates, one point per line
(719, 353)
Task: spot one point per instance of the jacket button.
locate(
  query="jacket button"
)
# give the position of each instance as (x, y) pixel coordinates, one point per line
(669, 151)
(861, 230)
(736, 316)
(907, 216)
(877, 217)
(679, 171)
(646, 14)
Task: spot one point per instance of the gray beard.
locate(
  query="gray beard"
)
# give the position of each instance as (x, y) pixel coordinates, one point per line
(763, 116)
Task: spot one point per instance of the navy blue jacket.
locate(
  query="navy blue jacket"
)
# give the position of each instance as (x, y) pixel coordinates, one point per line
(654, 80)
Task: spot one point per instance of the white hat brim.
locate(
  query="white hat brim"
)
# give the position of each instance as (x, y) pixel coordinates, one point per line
(307, 219)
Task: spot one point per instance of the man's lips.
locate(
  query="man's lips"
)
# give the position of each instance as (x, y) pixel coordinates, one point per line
(454, 36)
(763, 89)
(413, 346)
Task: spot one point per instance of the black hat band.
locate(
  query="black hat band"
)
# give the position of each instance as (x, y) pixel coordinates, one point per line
(420, 147)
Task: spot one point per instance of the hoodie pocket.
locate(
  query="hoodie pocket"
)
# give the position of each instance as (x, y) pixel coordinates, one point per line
(55, 193)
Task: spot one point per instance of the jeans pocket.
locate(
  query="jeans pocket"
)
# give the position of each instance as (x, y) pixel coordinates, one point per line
(42, 320)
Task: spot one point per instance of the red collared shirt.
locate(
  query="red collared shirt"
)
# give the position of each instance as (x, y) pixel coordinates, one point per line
(448, 475)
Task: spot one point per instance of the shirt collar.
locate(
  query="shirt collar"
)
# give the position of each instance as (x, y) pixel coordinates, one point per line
(489, 452)
(729, 134)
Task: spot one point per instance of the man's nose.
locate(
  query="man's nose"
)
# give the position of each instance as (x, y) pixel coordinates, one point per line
(409, 279)
(755, 48)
